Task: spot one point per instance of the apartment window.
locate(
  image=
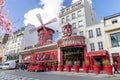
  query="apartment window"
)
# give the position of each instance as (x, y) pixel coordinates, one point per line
(68, 9)
(100, 45)
(14, 51)
(81, 33)
(92, 47)
(67, 18)
(114, 21)
(98, 31)
(74, 33)
(79, 13)
(90, 32)
(18, 50)
(80, 23)
(73, 7)
(73, 16)
(115, 39)
(73, 25)
(79, 4)
(62, 20)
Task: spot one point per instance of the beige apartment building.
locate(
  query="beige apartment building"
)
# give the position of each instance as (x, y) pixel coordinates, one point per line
(112, 33)
(79, 15)
(14, 45)
(102, 36)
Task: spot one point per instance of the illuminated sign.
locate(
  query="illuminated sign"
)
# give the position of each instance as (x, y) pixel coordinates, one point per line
(71, 41)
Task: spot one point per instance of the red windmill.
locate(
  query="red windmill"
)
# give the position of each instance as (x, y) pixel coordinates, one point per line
(44, 33)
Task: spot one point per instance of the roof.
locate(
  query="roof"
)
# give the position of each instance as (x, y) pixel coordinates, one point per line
(112, 16)
(46, 28)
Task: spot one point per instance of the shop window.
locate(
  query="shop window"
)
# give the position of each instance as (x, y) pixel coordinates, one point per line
(73, 16)
(92, 47)
(90, 32)
(98, 31)
(115, 39)
(100, 45)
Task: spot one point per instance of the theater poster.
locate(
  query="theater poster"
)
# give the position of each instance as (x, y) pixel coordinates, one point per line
(41, 56)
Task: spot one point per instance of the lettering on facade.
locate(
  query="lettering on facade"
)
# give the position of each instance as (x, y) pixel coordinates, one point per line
(71, 41)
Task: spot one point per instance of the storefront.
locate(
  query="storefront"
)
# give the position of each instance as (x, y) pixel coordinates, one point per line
(47, 53)
(116, 56)
(72, 49)
(98, 56)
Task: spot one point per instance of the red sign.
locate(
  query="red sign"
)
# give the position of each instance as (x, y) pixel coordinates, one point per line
(115, 54)
(71, 41)
(41, 56)
(26, 58)
(46, 56)
(67, 30)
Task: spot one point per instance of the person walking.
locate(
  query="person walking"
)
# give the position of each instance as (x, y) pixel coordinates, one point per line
(115, 64)
(17, 67)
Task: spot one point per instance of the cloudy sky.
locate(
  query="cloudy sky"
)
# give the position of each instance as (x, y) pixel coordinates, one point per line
(22, 12)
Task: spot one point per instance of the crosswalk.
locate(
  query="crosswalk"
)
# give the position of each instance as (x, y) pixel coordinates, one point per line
(6, 76)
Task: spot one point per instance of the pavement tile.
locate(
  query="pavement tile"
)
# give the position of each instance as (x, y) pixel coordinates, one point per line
(5, 76)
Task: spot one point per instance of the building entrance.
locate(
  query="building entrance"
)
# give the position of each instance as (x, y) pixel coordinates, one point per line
(73, 54)
(100, 60)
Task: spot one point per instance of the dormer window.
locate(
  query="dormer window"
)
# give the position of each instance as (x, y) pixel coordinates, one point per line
(114, 21)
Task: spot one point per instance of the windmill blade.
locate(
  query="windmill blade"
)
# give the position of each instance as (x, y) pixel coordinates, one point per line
(39, 18)
(51, 21)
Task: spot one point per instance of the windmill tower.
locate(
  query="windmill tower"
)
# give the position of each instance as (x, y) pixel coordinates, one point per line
(44, 33)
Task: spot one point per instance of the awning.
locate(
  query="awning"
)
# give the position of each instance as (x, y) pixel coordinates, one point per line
(98, 53)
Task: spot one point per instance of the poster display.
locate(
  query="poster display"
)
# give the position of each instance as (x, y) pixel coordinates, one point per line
(41, 56)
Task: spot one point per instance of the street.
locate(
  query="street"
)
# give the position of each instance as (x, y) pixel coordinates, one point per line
(24, 75)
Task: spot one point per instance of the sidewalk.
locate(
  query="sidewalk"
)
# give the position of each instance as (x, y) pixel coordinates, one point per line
(81, 73)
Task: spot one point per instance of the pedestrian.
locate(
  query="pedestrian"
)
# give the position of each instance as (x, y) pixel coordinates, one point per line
(22, 67)
(17, 67)
(115, 64)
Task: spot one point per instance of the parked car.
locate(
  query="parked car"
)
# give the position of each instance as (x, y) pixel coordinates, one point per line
(36, 67)
(9, 64)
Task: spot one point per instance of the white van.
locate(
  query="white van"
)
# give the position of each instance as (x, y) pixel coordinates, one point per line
(9, 64)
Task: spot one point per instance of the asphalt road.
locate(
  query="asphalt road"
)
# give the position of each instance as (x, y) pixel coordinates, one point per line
(24, 75)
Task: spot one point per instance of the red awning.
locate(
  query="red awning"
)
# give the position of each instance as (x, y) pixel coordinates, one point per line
(115, 54)
(98, 53)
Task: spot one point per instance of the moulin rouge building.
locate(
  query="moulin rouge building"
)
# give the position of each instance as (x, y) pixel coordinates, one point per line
(68, 48)
(80, 38)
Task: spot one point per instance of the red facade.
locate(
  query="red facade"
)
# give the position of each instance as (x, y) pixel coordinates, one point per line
(46, 56)
(69, 48)
(97, 56)
(0, 59)
(44, 35)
